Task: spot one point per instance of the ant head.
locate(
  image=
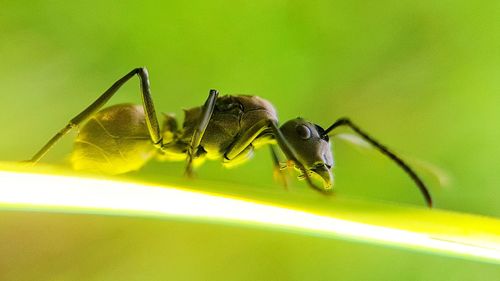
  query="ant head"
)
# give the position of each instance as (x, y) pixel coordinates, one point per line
(312, 148)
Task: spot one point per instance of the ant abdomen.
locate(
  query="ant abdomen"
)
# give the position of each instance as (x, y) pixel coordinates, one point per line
(115, 140)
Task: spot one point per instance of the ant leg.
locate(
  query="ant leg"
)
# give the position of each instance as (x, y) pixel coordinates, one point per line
(206, 114)
(246, 139)
(240, 145)
(241, 158)
(290, 154)
(240, 150)
(278, 173)
(384, 150)
(151, 120)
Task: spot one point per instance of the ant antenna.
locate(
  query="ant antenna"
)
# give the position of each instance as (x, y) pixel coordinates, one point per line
(384, 150)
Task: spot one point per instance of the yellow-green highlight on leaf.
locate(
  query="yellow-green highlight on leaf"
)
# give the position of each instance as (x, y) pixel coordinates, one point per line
(427, 230)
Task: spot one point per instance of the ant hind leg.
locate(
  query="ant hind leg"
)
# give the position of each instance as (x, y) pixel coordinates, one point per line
(151, 120)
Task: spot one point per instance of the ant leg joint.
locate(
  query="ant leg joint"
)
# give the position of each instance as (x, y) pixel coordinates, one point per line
(158, 144)
(141, 69)
(344, 120)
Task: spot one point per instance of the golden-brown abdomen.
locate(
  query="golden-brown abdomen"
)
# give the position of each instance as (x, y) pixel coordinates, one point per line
(114, 141)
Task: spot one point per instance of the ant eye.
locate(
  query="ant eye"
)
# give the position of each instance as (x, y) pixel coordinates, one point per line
(303, 131)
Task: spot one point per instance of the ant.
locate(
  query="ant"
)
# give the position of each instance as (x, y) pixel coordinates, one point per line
(122, 138)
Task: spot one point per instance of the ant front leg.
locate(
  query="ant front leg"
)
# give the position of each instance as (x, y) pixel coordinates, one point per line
(151, 120)
(241, 149)
(206, 113)
(278, 168)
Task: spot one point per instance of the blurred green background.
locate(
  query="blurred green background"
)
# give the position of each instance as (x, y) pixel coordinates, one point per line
(421, 76)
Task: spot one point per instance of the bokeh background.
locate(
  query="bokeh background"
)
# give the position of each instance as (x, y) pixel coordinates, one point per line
(421, 76)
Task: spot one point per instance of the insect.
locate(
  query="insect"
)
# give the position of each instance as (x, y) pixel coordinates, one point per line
(122, 138)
